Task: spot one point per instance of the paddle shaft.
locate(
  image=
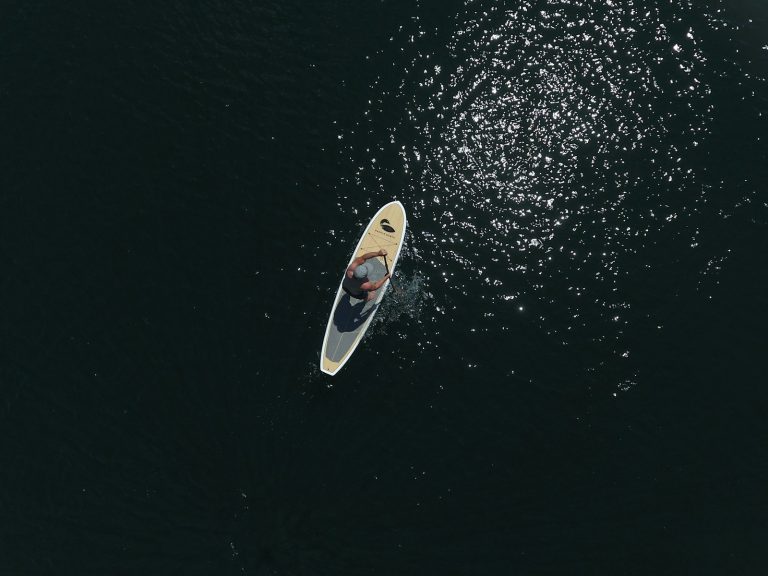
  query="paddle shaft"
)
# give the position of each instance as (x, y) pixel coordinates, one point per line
(386, 265)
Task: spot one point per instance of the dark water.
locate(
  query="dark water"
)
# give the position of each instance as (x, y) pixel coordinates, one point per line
(571, 378)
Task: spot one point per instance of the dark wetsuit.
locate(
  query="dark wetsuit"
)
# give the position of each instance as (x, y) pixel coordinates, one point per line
(352, 286)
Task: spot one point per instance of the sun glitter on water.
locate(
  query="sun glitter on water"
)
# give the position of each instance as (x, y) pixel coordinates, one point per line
(554, 155)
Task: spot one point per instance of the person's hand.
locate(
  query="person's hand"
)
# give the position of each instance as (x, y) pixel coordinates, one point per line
(382, 252)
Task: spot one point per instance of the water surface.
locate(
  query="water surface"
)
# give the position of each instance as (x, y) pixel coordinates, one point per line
(568, 378)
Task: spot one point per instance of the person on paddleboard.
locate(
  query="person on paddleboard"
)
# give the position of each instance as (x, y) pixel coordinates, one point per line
(356, 282)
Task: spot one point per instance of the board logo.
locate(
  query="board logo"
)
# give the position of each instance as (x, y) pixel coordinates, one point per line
(386, 226)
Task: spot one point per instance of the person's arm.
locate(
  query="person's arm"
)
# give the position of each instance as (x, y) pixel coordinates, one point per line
(369, 255)
(375, 285)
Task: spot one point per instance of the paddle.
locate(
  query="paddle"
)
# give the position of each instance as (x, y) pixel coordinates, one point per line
(386, 265)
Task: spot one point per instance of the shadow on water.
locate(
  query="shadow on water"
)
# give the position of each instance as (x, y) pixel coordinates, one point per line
(348, 317)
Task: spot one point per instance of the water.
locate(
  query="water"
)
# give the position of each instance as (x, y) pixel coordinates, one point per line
(566, 376)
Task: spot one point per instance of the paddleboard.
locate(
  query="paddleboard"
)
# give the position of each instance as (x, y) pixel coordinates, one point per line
(351, 317)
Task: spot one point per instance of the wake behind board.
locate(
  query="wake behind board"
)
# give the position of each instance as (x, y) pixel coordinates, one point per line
(351, 317)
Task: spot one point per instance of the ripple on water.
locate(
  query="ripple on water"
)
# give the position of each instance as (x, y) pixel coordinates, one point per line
(555, 154)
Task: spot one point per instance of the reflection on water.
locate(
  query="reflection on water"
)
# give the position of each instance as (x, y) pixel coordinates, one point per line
(555, 156)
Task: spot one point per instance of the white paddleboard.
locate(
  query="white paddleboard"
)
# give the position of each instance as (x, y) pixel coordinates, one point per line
(351, 317)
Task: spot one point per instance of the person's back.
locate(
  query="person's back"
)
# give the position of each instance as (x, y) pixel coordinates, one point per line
(356, 282)
(354, 286)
